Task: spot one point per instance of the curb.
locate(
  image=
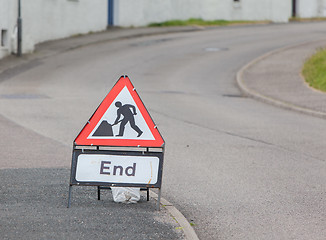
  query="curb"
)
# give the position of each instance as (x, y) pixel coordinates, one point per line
(261, 97)
(178, 216)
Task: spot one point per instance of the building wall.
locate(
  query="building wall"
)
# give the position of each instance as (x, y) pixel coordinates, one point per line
(142, 12)
(54, 19)
(311, 8)
(8, 19)
(50, 19)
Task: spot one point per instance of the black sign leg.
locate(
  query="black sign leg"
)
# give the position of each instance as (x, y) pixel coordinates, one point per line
(158, 200)
(69, 196)
(98, 193)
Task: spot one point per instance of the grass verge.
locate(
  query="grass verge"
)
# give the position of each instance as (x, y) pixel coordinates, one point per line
(201, 22)
(314, 70)
(314, 19)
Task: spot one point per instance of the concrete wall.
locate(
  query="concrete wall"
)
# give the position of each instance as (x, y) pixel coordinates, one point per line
(53, 19)
(143, 12)
(8, 20)
(50, 19)
(311, 8)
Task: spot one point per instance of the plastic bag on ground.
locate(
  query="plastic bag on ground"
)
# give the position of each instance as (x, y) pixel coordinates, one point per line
(125, 194)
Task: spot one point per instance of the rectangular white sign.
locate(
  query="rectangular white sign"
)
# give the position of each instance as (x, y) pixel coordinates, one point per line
(117, 169)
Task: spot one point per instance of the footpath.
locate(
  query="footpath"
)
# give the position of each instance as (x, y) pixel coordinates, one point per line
(276, 78)
(51, 48)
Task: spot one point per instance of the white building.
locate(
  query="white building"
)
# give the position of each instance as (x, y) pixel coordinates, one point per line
(142, 12)
(53, 19)
(44, 20)
(309, 8)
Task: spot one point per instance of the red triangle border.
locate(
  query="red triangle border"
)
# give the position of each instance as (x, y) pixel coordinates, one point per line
(124, 81)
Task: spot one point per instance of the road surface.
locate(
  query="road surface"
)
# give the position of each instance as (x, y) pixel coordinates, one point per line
(235, 167)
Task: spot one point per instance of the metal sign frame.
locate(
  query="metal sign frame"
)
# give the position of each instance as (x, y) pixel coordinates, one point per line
(98, 150)
(119, 146)
(76, 154)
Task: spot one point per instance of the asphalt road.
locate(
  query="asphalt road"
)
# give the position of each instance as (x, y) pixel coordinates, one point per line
(235, 167)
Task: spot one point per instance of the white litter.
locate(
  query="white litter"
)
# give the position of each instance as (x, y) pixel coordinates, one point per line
(125, 194)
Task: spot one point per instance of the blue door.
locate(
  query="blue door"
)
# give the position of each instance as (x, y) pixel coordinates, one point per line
(110, 12)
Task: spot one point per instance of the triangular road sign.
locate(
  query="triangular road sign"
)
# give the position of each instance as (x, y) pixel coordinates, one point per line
(121, 120)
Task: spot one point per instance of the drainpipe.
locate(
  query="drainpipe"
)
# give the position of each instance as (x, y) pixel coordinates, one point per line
(19, 30)
(294, 8)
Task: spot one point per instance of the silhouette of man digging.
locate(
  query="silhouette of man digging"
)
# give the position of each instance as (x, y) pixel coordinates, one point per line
(128, 116)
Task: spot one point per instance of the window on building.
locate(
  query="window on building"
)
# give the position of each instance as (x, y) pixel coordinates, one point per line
(4, 37)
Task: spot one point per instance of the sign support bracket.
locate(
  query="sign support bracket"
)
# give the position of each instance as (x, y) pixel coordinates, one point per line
(69, 196)
(158, 200)
(98, 150)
